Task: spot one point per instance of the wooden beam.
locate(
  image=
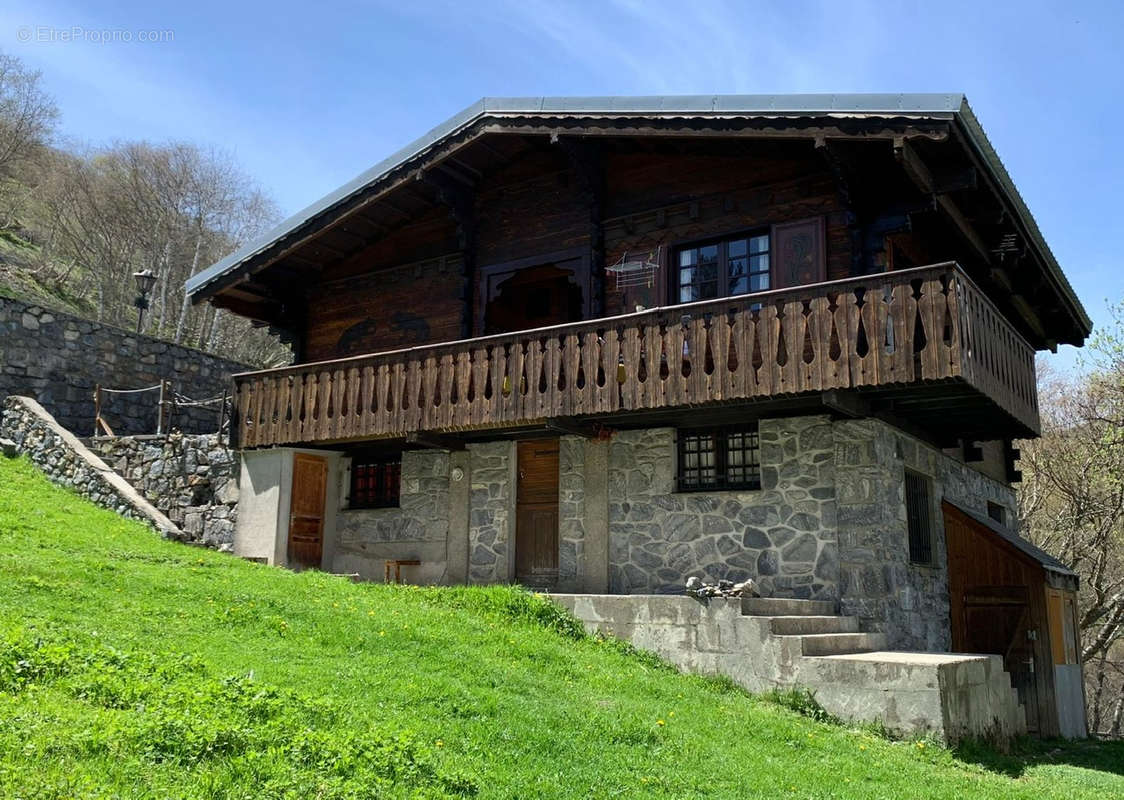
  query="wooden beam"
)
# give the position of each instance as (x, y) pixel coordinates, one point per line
(847, 404)
(585, 429)
(919, 173)
(434, 441)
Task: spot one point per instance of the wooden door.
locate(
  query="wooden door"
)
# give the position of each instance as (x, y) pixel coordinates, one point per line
(536, 513)
(306, 510)
(994, 607)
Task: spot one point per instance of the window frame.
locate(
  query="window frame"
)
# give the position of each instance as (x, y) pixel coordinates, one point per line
(922, 553)
(675, 286)
(381, 497)
(721, 438)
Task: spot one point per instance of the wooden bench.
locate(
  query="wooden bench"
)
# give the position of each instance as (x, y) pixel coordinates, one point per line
(397, 564)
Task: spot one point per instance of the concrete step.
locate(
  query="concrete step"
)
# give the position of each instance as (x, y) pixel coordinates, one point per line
(785, 607)
(834, 644)
(795, 626)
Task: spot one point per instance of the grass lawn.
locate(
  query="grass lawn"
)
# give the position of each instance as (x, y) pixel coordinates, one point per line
(134, 667)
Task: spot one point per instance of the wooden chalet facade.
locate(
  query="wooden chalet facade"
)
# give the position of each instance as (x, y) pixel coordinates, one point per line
(602, 344)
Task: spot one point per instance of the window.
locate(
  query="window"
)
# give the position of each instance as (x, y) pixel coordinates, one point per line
(724, 458)
(997, 512)
(918, 518)
(375, 481)
(718, 269)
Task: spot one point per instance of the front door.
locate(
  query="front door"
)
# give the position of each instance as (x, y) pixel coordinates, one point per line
(306, 510)
(536, 513)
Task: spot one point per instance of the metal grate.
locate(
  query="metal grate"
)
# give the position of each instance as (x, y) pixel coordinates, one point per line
(919, 518)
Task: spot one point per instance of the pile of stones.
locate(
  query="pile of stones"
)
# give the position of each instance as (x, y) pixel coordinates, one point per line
(747, 588)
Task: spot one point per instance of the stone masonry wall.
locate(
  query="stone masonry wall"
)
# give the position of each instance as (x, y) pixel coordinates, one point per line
(782, 535)
(193, 479)
(66, 461)
(571, 512)
(58, 359)
(878, 583)
(416, 530)
(491, 523)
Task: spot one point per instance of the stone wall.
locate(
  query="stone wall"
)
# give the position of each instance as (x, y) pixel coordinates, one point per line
(491, 523)
(878, 583)
(58, 359)
(571, 512)
(193, 479)
(67, 462)
(417, 530)
(782, 535)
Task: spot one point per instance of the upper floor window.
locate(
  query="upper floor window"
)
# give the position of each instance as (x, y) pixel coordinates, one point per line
(375, 481)
(727, 267)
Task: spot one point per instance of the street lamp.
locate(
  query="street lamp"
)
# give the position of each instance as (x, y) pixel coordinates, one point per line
(145, 280)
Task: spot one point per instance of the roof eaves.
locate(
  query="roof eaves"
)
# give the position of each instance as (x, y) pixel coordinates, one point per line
(979, 140)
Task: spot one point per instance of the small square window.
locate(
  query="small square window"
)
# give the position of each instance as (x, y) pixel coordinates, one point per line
(721, 458)
(997, 512)
(375, 481)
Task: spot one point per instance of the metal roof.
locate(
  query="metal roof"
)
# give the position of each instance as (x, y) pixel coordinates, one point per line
(951, 105)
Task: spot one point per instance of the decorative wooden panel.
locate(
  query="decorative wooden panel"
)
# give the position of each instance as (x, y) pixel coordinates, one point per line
(403, 306)
(798, 253)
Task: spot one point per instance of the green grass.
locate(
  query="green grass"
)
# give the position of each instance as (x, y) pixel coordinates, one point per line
(134, 667)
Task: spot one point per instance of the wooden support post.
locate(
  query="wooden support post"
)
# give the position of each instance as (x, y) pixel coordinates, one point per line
(97, 407)
(163, 419)
(222, 416)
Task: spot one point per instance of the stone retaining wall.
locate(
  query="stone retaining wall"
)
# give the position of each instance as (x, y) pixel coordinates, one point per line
(68, 462)
(58, 359)
(193, 479)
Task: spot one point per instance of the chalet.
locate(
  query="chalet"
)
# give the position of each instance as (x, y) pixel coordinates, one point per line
(601, 345)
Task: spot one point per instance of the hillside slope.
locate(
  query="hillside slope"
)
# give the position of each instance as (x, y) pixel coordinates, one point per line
(134, 667)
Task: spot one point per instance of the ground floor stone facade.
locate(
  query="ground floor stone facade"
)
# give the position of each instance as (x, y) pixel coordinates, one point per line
(828, 523)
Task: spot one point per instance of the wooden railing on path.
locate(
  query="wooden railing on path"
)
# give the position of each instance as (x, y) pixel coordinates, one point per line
(898, 328)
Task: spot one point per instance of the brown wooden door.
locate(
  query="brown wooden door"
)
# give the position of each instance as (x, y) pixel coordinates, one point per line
(536, 513)
(306, 510)
(993, 608)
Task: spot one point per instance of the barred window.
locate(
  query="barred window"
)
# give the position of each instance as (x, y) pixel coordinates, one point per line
(919, 518)
(721, 458)
(375, 481)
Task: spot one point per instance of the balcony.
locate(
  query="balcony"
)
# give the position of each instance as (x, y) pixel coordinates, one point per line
(924, 345)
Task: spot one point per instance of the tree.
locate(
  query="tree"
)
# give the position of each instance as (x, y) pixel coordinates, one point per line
(1072, 505)
(28, 117)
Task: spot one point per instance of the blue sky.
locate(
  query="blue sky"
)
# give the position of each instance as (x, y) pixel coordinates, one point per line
(307, 95)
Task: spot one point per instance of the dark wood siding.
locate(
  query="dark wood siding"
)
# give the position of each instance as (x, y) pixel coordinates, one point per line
(656, 201)
(403, 306)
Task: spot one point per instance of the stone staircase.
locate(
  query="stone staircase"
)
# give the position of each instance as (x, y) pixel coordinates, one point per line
(820, 631)
(767, 643)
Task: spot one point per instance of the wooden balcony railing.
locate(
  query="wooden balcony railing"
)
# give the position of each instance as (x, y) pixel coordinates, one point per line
(891, 329)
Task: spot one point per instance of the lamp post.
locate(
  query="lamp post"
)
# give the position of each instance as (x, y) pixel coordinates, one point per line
(145, 280)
